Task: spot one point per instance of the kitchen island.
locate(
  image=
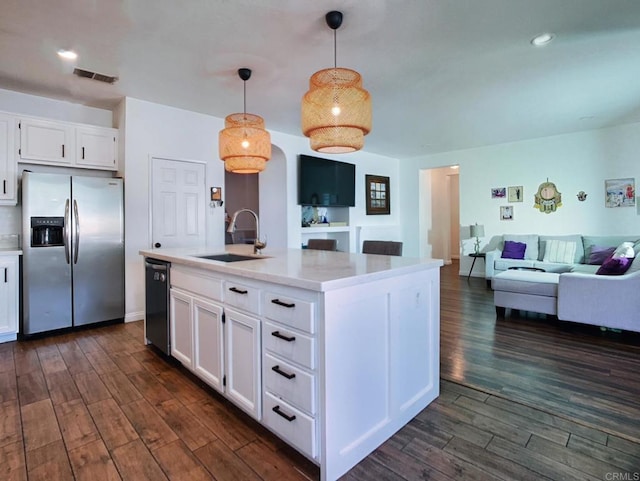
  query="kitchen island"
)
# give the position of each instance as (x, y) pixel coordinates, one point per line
(332, 351)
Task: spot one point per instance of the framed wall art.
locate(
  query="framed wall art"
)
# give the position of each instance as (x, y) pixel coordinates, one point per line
(620, 193)
(378, 199)
(498, 192)
(515, 193)
(506, 212)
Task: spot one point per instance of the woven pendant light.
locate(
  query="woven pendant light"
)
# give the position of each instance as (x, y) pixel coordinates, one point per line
(336, 111)
(244, 145)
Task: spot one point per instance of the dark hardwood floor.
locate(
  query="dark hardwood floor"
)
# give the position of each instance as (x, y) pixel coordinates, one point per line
(525, 398)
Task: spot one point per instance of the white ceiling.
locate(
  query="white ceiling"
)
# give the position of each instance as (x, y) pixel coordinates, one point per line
(443, 74)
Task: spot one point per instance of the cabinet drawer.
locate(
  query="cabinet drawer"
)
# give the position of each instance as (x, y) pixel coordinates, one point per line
(242, 296)
(296, 428)
(196, 281)
(288, 310)
(290, 383)
(290, 345)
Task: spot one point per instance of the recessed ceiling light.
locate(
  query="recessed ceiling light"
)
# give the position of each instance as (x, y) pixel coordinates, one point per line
(542, 39)
(67, 54)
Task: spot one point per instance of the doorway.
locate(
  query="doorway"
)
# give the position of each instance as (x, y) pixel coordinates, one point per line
(440, 213)
(177, 203)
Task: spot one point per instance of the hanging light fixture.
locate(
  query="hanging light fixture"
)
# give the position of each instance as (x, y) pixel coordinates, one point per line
(244, 145)
(336, 111)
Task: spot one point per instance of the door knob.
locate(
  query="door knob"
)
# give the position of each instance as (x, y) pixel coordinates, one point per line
(157, 245)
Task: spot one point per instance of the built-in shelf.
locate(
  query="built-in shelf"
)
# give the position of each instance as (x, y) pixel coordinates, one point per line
(321, 228)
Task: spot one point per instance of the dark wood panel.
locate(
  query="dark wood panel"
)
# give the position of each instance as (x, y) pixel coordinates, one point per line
(92, 462)
(135, 462)
(76, 424)
(39, 425)
(180, 463)
(223, 463)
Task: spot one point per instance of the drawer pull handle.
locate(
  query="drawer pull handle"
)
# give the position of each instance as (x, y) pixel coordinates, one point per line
(277, 410)
(283, 337)
(238, 291)
(283, 304)
(282, 373)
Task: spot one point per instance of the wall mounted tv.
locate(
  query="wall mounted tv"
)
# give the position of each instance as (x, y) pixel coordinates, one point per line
(326, 183)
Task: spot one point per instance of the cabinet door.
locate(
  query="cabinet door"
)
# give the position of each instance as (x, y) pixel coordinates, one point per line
(243, 362)
(8, 297)
(181, 328)
(8, 177)
(97, 148)
(46, 141)
(208, 355)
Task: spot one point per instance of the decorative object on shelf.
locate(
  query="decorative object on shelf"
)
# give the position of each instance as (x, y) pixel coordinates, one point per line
(516, 193)
(506, 212)
(620, 192)
(476, 231)
(216, 197)
(336, 111)
(378, 198)
(547, 199)
(498, 192)
(582, 196)
(244, 145)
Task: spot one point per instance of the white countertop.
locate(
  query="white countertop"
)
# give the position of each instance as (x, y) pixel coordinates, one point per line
(10, 251)
(305, 268)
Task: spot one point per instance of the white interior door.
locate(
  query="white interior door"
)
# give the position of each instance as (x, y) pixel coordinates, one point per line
(177, 203)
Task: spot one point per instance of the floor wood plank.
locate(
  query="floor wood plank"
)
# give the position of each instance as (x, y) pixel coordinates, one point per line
(39, 425)
(113, 425)
(180, 463)
(223, 463)
(92, 462)
(135, 463)
(13, 466)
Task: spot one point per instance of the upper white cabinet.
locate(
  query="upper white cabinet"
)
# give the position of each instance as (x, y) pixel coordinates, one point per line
(44, 141)
(55, 142)
(8, 164)
(96, 148)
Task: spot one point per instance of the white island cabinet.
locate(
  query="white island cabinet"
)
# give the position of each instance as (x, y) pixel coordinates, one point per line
(332, 351)
(9, 279)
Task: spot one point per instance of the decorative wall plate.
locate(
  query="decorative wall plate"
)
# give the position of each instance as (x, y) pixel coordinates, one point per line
(548, 199)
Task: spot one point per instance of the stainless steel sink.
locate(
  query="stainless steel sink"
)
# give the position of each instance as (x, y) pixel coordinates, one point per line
(230, 257)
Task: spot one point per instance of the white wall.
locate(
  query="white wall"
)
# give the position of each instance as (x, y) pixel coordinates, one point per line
(574, 162)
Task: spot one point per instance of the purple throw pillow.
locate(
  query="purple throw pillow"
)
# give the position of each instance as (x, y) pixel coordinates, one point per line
(513, 250)
(599, 254)
(614, 266)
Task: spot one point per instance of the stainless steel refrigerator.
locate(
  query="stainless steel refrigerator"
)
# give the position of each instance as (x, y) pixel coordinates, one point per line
(73, 251)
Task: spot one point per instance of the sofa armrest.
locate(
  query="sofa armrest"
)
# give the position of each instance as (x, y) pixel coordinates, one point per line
(609, 301)
(489, 265)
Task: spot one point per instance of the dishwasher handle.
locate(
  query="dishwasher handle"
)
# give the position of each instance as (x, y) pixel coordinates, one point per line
(150, 264)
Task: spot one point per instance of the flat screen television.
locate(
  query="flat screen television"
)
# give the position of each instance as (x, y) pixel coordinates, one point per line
(326, 183)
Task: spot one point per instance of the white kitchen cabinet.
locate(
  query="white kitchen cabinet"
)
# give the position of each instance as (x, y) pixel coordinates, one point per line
(54, 142)
(181, 327)
(243, 361)
(8, 297)
(221, 345)
(46, 141)
(96, 148)
(8, 165)
(208, 356)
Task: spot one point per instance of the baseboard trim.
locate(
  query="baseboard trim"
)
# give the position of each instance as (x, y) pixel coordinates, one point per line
(134, 316)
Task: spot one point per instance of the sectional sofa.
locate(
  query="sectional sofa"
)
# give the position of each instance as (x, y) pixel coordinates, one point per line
(611, 301)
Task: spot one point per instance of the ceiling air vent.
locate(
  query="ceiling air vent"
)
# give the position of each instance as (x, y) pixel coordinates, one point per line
(95, 76)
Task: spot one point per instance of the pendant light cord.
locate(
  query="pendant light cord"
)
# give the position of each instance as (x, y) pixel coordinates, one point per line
(335, 49)
(244, 84)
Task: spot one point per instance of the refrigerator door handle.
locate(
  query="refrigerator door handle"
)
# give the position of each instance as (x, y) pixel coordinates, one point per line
(76, 241)
(66, 231)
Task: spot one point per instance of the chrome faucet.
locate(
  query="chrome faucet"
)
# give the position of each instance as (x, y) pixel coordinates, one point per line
(257, 243)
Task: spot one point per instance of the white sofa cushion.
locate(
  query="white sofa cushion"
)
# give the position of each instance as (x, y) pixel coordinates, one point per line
(577, 238)
(531, 253)
(559, 251)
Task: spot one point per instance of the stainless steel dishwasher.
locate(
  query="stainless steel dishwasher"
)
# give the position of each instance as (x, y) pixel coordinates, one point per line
(157, 304)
